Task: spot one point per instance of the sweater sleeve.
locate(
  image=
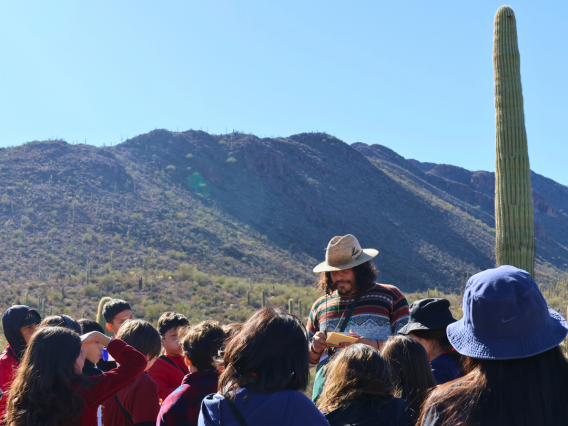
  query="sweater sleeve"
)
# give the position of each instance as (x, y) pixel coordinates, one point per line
(131, 364)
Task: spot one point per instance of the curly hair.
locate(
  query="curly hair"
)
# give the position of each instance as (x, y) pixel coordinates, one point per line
(366, 275)
(44, 390)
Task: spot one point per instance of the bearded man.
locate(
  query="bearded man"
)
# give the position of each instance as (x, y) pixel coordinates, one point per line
(353, 301)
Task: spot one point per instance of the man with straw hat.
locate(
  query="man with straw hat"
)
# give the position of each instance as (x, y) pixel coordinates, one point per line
(353, 301)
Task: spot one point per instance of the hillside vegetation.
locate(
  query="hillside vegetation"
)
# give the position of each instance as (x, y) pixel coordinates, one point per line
(226, 214)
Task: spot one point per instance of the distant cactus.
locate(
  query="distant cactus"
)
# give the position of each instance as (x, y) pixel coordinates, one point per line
(100, 319)
(263, 298)
(514, 221)
(290, 306)
(248, 297)
(300, 308)
(140, 284)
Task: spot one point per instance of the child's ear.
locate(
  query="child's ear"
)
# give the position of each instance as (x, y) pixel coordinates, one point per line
(109, 327)
(186, 359)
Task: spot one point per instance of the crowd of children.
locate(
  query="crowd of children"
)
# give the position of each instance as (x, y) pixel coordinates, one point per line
(485, 369)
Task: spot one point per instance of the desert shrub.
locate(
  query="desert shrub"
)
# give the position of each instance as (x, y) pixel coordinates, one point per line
(107, 282)
(89, 290)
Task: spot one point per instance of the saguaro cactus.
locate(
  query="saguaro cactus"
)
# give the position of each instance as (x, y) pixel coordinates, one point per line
(100, 319)
(514, 220)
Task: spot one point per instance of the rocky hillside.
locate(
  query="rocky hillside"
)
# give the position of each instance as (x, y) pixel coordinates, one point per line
(258, 208)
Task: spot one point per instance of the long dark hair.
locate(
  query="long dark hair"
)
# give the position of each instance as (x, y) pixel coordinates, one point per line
(269, 354)
(410, 370)
(365, 277)
(43, 392)
(357, 371)
(515, 392)
(441, 340)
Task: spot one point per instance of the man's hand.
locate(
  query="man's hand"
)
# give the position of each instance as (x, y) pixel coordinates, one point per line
(319, 342)
(377, 344)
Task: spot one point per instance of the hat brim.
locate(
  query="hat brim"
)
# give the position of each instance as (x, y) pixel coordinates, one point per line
(32, 320)
(367, 255)
(415, 325)
(466, 343)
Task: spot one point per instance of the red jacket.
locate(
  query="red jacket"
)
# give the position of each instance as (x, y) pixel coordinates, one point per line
(139, 399)
(8, 369)
(168, 377)
(131, 364)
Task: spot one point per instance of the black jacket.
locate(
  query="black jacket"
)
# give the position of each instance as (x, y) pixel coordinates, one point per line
(90, 369)
(11, 320)
(369, 412)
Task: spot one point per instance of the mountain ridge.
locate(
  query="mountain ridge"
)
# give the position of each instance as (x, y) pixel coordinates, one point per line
(262, 208)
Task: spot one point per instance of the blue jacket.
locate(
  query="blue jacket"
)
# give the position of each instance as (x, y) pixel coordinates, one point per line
(444, 369)
(282, 408)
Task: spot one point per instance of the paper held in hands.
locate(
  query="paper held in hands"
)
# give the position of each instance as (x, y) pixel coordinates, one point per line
(335, 339)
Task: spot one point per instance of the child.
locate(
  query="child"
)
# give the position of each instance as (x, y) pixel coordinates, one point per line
(93, 355)
(95, 351)
(19, 324)
(64, 396)
(115, 312)
(138, 403)
(169, 370)
(201, 346)
(64, 321)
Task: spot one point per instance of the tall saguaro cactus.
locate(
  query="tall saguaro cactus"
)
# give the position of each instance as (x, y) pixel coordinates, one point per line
(100, 319)
(514, 221)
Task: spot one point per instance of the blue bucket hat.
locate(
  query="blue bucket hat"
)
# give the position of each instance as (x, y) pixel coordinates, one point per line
(505, 316)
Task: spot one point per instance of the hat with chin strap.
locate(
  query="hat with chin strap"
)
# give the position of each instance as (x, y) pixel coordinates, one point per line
(344, 253)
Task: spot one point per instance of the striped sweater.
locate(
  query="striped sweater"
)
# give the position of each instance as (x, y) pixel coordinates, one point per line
(380, 313)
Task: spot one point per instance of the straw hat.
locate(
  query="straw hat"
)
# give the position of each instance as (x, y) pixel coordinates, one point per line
(344, 253)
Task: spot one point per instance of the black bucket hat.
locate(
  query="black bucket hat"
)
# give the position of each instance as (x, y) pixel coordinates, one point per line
(428, 314)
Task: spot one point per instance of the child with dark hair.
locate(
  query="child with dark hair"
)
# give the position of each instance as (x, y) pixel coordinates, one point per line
(409, 372)
(138, 403)
(93, 355)
(64, 321)
(429, 319)
(265, 370)
(201, 347)
(169, 369)
(50, 389)
(19, 323)
(116, 312)
(94, 351)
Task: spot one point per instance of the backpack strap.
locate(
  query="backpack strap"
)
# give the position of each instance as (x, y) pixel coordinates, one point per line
(126, 413)
(235, 411)
(165, 358)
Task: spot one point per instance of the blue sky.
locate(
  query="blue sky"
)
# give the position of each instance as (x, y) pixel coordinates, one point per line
(415, 76)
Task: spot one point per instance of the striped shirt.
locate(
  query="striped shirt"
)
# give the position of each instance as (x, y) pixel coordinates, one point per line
(380, 313)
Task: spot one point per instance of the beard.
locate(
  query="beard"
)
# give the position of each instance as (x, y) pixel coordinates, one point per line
(346, 290)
